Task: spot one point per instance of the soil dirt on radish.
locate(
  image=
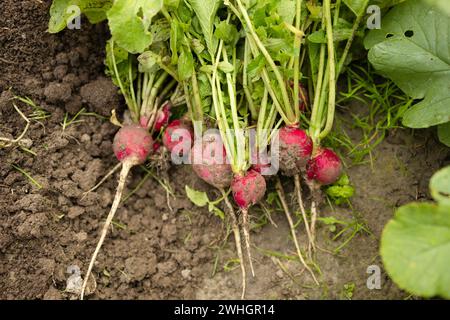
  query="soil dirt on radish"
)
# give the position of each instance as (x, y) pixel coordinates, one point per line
(154, 252)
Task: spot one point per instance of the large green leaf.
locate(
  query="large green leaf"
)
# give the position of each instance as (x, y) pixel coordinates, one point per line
(206, 11)
(129, 21)
(440, 186)
(412, 50)
(415, 247)
(444, 133)
(95, 11)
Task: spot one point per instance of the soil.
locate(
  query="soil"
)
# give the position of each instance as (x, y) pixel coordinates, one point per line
(153, 252)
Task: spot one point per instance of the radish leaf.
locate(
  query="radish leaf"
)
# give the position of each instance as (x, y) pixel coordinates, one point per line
(409, 50)
(206, 11)
(129, 21)
(444, 133)
(415, 247)
(440, 186)
(61, 13)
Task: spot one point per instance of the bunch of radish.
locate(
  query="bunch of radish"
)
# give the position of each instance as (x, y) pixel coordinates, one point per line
(233, 66)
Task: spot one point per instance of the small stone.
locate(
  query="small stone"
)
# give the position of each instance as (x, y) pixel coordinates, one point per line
(85, 138)
(186, 273)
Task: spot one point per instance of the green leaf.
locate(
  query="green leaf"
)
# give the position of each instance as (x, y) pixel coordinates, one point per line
(340, 192)
(219, 213)
(226, 32)
(444, 133)
(172, 3)
(415, 248)
(286, 9)
(198, 198)
(149, 62)
(129, 22)
(185, 64)
(226, 67)
(440, 186)
(409, 50)
(95, 11)
(255, 66)
(357, 6)
(206, 11)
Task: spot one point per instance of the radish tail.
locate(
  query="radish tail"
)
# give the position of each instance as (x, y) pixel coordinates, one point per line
(298, 188)
(123, 176)
(280, 192)
(237, 238)
(246, 230)
(313, 223)
(102, 180)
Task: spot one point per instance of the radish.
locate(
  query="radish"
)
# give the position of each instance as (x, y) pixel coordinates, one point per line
(295, 149)
(162, 118)
(248, 189)
(177, 132)
(325, 167)
(213, 167)
(260, 162)
(132, 145)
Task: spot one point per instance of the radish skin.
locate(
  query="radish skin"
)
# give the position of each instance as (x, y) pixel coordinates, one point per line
(248, 189)
(325, 168)
(209, 161)
(295, 150)
(177, 132)
(162, 118)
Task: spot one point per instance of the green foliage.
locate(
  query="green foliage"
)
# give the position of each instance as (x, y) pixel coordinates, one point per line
(440, 186)
(415, 244)
(409, 50)
(341, 191)
(200, 199)
(129, 22)
(206, 11)
(60, 13)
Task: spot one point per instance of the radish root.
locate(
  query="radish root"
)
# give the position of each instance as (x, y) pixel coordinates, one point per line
(127, 165)
(237, 238)
(298, 188)
(111, 172)
(246, 230)
(313, 223)
(282, 197)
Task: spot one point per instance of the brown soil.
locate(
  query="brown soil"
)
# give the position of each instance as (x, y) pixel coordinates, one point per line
(154, 252)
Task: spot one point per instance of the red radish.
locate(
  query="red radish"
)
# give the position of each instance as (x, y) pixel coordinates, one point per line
(177, 132)
(295, 149)
(248, 189)
(162, 118)
(132, 145)
(209, 161)
(260, 161)
(325, 167)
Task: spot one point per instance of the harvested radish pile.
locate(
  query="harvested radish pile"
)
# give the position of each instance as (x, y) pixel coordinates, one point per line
(262, 150)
